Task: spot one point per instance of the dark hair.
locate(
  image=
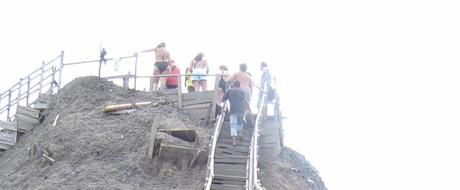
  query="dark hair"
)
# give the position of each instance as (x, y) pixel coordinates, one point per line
(161, 45)
(243, 67)
(199, 57)
(263, 64)
(236, 84)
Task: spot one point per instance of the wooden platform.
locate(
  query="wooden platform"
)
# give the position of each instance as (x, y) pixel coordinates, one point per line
(27, 118)
(8, 135)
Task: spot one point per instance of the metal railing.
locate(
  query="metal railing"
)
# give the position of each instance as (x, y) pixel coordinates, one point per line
(210, 168)
(28, 88)
(254, 155)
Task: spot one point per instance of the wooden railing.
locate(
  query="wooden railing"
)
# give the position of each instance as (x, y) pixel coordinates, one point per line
(28, 88)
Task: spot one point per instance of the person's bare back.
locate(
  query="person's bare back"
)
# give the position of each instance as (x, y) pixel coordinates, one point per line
(162, 55)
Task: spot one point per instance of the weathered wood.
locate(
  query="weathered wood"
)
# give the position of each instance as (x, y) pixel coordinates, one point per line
(197, 113)
(196, 101)
(184, 134)
(214, 99)
(175, 151)
(26, 118)
(153, 134)
(197, 106)
(227, 187)
(126, 106)
(8, 134)
(32, 112)
(24, 126)
(40, 106)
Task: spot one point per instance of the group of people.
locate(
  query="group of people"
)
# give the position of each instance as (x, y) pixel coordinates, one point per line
(241, 83)
(164, 65)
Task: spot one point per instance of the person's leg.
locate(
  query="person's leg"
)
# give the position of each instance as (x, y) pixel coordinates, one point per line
(196, 85)
(163, 79)
(156, 71)
(233, 128)
(204, 85)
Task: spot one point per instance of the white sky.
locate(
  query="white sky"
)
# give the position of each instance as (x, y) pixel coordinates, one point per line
(370, 88)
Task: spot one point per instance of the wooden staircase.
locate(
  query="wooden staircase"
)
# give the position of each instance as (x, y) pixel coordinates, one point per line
(231, 162)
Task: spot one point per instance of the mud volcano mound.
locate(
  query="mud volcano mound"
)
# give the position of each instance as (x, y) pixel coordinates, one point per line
(96, 151)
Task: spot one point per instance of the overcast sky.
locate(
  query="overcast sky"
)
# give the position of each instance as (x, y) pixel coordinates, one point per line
(370, 88)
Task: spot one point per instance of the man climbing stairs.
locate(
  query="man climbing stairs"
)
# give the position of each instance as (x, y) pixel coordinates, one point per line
(231, 162)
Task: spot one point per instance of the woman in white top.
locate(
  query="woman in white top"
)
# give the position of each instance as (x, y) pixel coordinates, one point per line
(200, 69)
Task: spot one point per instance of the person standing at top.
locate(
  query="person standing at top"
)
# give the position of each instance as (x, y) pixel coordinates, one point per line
(238, 104)
(172, 82)
(162, 64)
(266, 79)
(200, 69)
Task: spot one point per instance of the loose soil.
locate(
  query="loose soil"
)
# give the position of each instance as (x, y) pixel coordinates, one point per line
(93, 150)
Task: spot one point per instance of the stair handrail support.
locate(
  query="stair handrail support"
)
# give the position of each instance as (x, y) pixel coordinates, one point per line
(218, 126)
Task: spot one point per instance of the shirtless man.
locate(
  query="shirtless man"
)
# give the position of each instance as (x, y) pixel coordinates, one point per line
(162, 65)
(246, 82)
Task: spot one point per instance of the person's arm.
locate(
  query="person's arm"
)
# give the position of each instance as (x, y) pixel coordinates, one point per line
(225, 98)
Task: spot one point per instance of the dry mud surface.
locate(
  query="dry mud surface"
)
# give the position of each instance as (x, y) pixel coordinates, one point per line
(97, 151)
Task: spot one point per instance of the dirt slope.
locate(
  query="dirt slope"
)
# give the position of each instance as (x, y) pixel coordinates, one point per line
(97, 151)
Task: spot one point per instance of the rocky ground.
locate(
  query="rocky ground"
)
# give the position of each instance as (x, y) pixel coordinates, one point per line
(93, 150)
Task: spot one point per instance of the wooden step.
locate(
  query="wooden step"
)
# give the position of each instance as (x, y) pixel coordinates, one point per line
(237, 148)
(229, 177)
(227, 187)
(238, 173)
(223, 167)
(228, 182)
(244, 142)
(231, 160)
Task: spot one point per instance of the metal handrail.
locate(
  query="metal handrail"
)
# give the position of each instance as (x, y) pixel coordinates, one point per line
(210, 171)
(254, 156)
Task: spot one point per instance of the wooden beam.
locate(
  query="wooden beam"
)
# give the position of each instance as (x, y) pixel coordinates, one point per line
(153, 134)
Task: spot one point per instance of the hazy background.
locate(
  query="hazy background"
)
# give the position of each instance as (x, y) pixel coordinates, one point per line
(370, 88)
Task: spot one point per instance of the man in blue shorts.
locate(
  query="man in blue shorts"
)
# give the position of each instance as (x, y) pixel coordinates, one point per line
(238, 104)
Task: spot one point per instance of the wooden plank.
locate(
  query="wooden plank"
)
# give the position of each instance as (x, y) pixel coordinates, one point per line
(198, 106)
(8, 125)
(175, 151)
(40, 106)
(31, 112)
(198, 113)
(199, 95)
(4, 146)
(226, 187)
(196, 101)
(184, 134)
(153, 134)
(26, 118)
(229, 177)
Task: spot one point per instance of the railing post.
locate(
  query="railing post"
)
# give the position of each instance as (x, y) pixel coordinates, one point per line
(135, 73)
(28, 91)
(151, 84)
(214, 98)
(9, 105)
(61, 66)
(53, 69)
(41, 77)
(179, 93)
(126, 81)
(19, 91)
